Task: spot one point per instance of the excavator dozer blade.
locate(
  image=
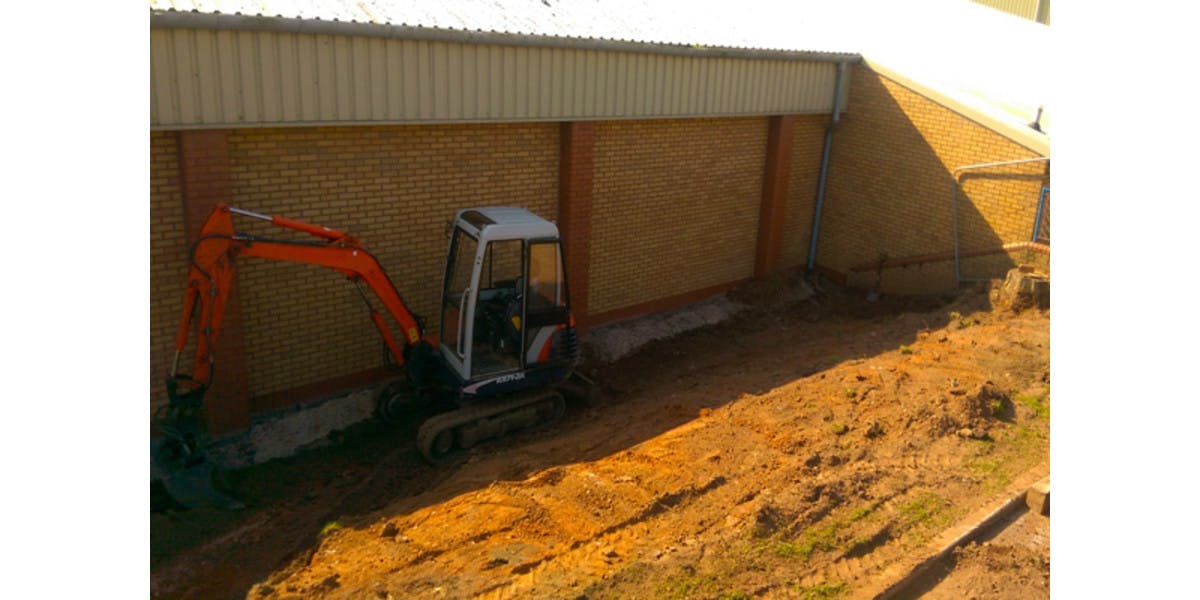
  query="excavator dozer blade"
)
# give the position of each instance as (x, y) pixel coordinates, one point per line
(579, 387)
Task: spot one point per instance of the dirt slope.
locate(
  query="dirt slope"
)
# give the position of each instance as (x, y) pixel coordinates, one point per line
(787, 453)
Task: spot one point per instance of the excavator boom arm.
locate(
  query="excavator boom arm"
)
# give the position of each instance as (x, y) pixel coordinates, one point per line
(212, 267)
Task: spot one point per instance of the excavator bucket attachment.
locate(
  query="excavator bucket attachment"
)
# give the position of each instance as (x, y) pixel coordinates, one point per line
(180, 460)
(189, 482)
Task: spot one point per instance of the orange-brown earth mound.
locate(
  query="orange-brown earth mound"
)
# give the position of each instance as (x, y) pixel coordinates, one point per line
(813, 450)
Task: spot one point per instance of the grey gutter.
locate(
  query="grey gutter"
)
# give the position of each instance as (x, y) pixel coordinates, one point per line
(173, 19)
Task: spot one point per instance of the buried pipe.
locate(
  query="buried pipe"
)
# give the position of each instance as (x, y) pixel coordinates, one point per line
(958, 278)
(816, 226)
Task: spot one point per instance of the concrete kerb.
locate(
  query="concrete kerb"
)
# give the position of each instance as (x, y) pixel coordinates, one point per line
(898, 586)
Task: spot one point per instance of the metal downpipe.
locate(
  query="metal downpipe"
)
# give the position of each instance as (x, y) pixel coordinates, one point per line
(1037, 222)
(958, 279)
(816, 225)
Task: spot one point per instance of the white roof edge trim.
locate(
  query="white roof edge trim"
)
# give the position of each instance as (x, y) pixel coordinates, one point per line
(1022, 135)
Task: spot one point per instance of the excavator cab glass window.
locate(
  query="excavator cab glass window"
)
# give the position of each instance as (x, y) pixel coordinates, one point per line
(498, 311)
(546, 311)
(457, 292)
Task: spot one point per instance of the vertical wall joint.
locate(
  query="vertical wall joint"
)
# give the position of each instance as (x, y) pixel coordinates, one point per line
(206, 177)
(773, 207)
(576, 160)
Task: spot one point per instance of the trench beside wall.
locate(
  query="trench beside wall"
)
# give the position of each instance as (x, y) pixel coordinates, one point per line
(890, 188)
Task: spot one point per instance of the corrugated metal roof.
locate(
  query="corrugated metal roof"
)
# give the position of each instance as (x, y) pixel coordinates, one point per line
(791, 26)
(1034, 10)
(954, 47)
(224, 78)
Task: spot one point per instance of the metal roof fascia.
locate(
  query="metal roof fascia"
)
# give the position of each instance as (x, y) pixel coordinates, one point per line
(173, 19)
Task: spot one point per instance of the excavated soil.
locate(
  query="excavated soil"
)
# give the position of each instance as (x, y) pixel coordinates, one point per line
(1015, 565)
(810, 451)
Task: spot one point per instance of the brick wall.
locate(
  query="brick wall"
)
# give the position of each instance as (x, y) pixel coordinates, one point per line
(889, 188)
(168, 259)
(675, 207)
(662, 211)
(808, 141)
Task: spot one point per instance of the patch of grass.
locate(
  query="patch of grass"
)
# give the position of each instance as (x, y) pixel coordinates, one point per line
(906, 350)
(861, 512)
(995, 464)
(817, 539)
(986, 466)
(823, 590)
(698, 586)
(1034, 402)
(963, 322)
(929, 510)
(997, 407)
(679, 588)
(1026, 441)
(824, 538)
(329, 528)
(991, 473)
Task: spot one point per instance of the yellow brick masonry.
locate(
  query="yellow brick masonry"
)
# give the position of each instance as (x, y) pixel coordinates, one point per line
(168, 258)
(808, 139)
(889, 188)
(675, 207)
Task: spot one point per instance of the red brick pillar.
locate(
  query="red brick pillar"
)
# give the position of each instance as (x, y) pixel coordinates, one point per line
(575, 211)
(774, 195)
(206, 178)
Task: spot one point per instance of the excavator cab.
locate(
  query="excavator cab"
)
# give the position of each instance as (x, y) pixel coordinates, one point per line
(505, 317)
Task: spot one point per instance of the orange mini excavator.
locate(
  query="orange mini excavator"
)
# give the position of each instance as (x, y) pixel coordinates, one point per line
(507, 346)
